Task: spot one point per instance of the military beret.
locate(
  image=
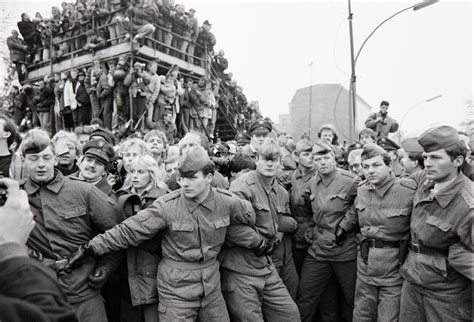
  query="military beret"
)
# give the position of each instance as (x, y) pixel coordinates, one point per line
(322, 147)
(260, 126)
(242, 138)
(99, 150)
(35, 141)
(304, 145)
(372, 150)
(269, 149)
(195, 160)
(438, 138)
(104, 134)
(411, 145)
(388, 144)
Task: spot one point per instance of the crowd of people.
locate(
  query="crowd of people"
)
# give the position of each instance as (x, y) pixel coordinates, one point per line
(260, 228)
(119, 90)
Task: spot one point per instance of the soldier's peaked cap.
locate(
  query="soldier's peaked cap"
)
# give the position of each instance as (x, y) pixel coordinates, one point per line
(438, 138)
(99, 150)
(35, 141)
(195, 160)
(388, 144)
(260, 126)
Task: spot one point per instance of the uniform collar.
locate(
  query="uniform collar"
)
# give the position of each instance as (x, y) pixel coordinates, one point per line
(382, 189)
(208, 203)
(327, 180)
(55, 185)
(445, 195)
(309, 175)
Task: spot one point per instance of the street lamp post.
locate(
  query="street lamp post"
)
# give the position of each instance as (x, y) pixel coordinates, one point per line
(353, 110)
(411, 109)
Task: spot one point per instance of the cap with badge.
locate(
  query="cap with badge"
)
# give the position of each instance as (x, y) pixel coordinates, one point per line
(99, 150)
(260, 127)
(104, 134)
(411, 145)
(322, 147)
(303, 145)
(195, 160)
(438, 138)
(372, 150)
(242, 139)
(388, 144)
(35, 141)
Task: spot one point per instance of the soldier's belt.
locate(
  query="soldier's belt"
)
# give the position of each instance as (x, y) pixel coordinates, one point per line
(378, 243)
(430, 251)
(188, 265)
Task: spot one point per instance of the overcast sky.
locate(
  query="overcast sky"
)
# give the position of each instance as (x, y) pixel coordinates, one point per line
(413, 57)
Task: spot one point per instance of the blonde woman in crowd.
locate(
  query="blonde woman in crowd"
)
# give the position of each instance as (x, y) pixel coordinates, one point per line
(141, 296)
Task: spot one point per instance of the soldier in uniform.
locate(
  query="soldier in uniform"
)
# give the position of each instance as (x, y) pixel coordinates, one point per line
(252, 285)
(333, 248)
(95, 163)
(382, 210)
(67, 214)
(436, 286)
(242, 139)
(259, 131)
(392, 149)
(193, 222)
(412, 161)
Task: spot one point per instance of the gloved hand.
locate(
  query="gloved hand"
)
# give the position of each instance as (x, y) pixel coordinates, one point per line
(82, 253)
(265, 248)
(100, 276)
(340, 235)
(309, 235)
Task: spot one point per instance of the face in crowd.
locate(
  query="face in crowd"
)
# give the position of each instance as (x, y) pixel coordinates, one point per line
(189, 141)
(133, 152)
(327, 135)
(325, 163)
(196, 185)
(92, 169)
(40, 166)
(439, 166)
(365, 139)
(376, 171)
(306, 159)
(155, 144)
(65, 151)
(141, 176)
(258, 139)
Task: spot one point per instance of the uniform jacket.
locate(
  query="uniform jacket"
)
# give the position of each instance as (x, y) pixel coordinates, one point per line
(142, 261)
(68, 213)
(382, 129)
(383, 214)
(272, 212)
(299, 207)
(440, 221)
(192, 237)
(332, 197)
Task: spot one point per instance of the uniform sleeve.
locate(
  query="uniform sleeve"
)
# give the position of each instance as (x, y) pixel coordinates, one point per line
(239, 188)
(461, 259)
(286, 223)
(132, 231)
(350, 218)
(241, 231)
(102, 210)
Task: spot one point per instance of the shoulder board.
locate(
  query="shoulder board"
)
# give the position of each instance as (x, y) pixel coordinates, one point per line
(250, 181)
(409, 183)
(172, 195)
(363, 182)
(468, 198)
(224, 192)
(348, 174)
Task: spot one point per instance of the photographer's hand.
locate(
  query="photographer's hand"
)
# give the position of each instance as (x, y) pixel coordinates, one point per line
(16, 219)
